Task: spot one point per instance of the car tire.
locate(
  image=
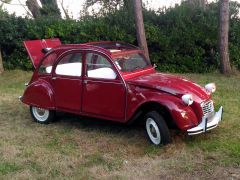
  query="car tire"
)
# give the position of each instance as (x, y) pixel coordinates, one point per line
(42, 116)
(157, 129)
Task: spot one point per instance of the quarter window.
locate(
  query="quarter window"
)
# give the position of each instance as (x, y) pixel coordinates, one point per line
(70, 65)
(99, 67)
(46, 66)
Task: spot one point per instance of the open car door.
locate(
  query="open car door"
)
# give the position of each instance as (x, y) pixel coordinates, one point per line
(35, 48)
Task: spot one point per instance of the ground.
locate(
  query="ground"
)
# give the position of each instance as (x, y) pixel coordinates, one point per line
(81, 148)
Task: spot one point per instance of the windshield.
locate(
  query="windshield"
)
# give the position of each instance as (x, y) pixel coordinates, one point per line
(131, 62)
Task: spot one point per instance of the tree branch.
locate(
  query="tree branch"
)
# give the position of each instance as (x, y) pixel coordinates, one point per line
(28, 13)
(9, 3)
(64, 10)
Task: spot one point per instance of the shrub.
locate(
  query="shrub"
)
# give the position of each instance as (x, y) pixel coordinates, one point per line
(180, 39)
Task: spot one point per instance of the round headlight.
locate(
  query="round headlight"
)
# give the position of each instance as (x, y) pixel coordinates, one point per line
(187, 99)
(210, 88)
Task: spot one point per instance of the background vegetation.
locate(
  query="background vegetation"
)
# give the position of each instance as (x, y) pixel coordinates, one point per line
(180, 39)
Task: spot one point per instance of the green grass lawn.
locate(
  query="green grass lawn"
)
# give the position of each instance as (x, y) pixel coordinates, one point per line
(80, 148)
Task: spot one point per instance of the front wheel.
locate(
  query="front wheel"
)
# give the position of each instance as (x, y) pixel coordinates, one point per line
(41, 115)
(157, 129)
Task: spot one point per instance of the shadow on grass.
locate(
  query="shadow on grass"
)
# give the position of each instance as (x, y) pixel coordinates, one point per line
(133, 132)
(72, 121)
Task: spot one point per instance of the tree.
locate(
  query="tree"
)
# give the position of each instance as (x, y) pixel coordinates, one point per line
(65, 11)
(34, 7)
(1, 62)
(49, 8)
(223, 36)
(197, 3)
(140, 31)
(138, 16)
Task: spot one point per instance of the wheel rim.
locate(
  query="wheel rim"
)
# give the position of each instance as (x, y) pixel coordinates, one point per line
(40, 114)
(153, 131)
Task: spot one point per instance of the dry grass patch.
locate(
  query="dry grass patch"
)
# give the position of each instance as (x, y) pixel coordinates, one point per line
(83, 148)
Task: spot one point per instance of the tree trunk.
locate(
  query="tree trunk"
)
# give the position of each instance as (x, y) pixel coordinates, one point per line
(53, 3)
(1, 62)
(49, 8)
(34, 7)
(140, 31)
(223, 36)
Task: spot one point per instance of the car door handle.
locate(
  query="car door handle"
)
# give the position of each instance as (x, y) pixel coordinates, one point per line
(85, 81)
(54, 78)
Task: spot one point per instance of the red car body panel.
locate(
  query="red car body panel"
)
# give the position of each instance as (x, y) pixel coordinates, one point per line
(34, 48)
(138, 96)
(106, 99)
(118, 99)
(40, 93)
(68, 93)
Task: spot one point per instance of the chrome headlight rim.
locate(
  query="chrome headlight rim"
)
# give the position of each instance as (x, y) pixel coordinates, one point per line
(187, 99)
(210, 88)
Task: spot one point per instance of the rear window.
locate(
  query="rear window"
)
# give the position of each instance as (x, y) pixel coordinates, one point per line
(47, 63)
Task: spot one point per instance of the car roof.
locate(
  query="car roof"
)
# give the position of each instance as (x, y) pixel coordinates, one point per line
(37, 49)
(111, 48)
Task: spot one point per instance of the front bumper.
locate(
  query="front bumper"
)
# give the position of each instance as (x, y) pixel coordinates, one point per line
(207, 123)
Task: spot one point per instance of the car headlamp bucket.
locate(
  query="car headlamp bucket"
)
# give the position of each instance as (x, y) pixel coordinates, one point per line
(210, 88)
(187, 99)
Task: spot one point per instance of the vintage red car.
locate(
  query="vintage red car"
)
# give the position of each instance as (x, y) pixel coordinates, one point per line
(114, 81)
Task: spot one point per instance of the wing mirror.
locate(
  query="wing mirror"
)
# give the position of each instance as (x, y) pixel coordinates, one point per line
(155, 66)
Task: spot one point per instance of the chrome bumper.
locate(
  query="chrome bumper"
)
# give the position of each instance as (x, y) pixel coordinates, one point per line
(207, 123)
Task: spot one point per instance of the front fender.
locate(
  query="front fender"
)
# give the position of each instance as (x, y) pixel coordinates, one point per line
(40, 94)
(183, 116)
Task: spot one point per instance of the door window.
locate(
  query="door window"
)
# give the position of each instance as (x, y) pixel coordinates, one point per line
(70, 65)
(99, 67)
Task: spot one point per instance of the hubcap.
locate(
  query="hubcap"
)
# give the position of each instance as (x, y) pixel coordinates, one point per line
(153, 131)
(40, 114)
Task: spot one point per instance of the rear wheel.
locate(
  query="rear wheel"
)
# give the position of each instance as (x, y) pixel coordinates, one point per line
(41, 115)
(156, 128)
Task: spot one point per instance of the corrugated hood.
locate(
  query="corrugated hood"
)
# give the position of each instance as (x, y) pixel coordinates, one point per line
(171, 84)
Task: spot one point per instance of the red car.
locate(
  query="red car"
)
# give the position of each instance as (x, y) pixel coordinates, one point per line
(114, 81)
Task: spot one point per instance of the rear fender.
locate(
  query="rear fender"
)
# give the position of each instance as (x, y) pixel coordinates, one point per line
(40, 94)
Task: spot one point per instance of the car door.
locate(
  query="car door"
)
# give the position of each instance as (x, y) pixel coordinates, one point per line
(103, 90)
(67, 82)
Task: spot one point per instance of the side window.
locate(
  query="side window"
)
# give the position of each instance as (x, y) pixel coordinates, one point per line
(70, 65)
(99, 67)
(46, 66)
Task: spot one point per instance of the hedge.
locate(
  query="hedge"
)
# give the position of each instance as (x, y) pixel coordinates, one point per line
(180, 39)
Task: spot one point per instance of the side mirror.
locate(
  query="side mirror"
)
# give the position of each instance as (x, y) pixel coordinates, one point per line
(155, 66)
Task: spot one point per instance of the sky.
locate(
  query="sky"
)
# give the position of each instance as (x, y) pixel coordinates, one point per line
(75, 6)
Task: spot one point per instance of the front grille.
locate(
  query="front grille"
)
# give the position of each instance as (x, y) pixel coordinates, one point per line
(207, 107)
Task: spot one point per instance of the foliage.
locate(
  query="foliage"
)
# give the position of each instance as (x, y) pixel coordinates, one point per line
(181, 39)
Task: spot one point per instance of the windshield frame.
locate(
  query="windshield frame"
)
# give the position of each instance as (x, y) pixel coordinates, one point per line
(115, 55)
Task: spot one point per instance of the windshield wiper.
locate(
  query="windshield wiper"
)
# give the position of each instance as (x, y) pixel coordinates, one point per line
(136, 68)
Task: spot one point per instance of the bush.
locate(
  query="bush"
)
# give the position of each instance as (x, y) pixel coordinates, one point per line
(180, 39)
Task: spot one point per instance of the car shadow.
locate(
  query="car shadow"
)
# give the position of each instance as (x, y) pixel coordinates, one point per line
(100, 125)
(137, 129)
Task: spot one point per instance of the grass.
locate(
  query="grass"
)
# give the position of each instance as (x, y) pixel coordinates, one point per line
(83, 148)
